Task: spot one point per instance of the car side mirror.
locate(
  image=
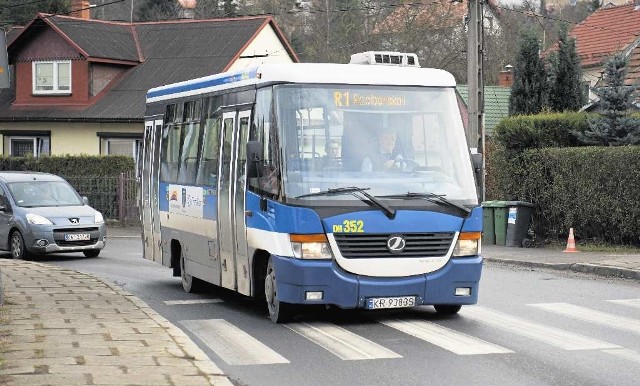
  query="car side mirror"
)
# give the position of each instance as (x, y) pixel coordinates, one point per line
(85, 199)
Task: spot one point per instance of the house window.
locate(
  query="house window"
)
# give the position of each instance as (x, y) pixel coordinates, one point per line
(121, 146)
(28, 146)
(52, 77)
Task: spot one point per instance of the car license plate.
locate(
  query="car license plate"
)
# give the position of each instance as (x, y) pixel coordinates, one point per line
(77, 237)
(391, 302)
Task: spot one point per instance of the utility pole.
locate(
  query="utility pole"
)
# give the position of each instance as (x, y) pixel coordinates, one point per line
(476, 87)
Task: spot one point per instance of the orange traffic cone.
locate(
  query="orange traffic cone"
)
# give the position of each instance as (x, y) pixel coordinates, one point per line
(571, 243)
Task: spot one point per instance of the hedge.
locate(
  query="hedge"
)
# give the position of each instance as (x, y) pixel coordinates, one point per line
(591, 189)
(95, 177)
(538, 131)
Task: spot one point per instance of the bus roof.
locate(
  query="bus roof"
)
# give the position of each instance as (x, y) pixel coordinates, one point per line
(310, 73)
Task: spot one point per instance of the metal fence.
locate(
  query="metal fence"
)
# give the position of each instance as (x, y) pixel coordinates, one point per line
(116, 197)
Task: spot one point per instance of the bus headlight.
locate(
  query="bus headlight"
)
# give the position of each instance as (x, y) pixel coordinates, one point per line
(468, 244)
(314, 246)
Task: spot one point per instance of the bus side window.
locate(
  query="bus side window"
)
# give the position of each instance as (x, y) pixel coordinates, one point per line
(190, 144)
(208, 165)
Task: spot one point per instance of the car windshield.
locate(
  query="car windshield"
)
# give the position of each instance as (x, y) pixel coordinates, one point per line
(391, 140)
(44, 193)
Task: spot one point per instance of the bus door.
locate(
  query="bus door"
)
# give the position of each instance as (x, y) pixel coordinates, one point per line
(231, 223)
(149, 185)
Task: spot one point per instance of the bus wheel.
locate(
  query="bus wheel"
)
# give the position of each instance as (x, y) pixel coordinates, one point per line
(279, 312)
(447, 309)
(189, 283)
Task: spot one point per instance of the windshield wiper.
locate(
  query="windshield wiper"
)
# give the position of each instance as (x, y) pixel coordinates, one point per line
(354, 191)
(436, 198)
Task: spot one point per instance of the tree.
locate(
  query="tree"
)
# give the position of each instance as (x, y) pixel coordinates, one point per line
(19, 12)
(565, 92)
(615, 126)
(151, 10)
(529, 78)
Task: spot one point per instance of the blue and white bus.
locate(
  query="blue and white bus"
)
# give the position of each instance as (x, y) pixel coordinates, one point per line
(271, 182)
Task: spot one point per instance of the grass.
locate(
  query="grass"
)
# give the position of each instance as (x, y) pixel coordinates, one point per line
(591, 246)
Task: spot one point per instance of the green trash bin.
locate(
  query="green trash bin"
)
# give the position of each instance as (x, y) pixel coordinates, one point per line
(488, 223)
(500, 221)
(518, 219)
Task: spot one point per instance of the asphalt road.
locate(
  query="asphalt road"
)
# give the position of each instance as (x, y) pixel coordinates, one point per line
(531, 327)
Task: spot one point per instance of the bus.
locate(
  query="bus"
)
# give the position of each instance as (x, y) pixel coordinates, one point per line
(271, 182)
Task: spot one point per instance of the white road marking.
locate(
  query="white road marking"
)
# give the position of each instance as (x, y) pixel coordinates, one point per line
(341, 342)
(231, 344)
(454, 341)
(192, 301)
(593, 316)
(550, 335)
(625, 354)
(635, 303)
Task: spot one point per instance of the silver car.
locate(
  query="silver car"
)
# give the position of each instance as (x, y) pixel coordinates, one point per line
(41, 213)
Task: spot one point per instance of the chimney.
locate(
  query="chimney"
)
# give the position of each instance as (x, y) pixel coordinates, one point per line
(505, 77)
(80, 8)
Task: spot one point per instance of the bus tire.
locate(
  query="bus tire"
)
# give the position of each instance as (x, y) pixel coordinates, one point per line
(447, 309)
(190, 284)
(279, 312)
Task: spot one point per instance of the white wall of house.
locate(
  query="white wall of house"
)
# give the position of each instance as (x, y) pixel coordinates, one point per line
(265, 48)
(69, 138)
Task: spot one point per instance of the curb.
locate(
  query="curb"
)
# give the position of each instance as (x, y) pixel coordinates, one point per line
(574, 267)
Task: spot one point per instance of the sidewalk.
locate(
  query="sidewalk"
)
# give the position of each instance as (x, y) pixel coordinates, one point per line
(62, 327)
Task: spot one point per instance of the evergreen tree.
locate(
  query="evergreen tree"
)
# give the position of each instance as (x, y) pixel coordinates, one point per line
(529, 78)
(615, 126)
(566, 92)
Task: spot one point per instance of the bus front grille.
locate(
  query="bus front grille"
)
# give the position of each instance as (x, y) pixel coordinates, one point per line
(354, 246)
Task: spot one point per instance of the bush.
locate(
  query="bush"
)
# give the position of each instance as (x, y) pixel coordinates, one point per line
(543, 130)
(592, 189)
(95, 177)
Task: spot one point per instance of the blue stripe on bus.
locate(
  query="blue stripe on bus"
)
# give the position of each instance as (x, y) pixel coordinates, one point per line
(287, 219)
(203, 83)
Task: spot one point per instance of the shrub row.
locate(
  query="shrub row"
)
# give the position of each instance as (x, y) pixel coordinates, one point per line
(543, 130)
(96, 177)
(592, 189)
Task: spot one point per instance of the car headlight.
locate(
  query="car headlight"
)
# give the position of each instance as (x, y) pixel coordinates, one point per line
(314, 246)
(98, 218)
(468, 244)
(36, 219)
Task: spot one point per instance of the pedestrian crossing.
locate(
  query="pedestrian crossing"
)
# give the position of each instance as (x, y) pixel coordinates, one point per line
(352, 343)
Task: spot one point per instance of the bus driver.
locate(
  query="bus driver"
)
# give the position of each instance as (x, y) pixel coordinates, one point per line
(386, 157)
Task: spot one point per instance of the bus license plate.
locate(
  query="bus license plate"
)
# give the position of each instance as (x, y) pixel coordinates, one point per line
(391, 302)
(77, 237)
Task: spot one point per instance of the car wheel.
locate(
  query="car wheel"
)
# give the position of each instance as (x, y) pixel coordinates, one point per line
(190, 284)
(279, 312)
(18, 250)
(91, 253)
(447, 309)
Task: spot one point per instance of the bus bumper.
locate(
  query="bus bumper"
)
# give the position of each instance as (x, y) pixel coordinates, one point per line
(297, 277)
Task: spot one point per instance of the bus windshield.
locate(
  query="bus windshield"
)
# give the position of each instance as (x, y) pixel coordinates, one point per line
(391, 140)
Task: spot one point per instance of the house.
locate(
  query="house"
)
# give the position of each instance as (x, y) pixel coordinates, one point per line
(609, 30)
(496, 101)
(79, 85)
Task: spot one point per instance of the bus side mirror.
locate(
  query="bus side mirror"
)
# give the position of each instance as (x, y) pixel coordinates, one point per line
(476, 158)
(255, 155)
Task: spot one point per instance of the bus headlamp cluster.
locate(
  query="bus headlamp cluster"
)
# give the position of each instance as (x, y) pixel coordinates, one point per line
(314, 246)
(468, 244)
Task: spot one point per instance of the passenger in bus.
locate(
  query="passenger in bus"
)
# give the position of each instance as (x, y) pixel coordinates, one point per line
(332, 158)
(385, 157)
